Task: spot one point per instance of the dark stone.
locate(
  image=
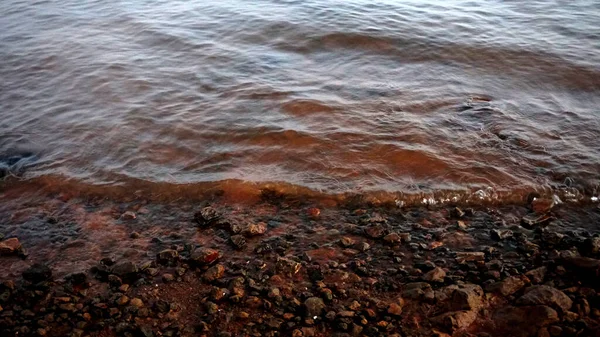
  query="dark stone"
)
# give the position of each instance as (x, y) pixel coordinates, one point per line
(205, 255)
(314, 306)
(37, 273)
(167, 257)
(238, 241)
(545, 295)
(206, 216)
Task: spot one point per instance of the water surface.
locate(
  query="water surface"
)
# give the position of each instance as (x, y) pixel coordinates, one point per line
(400, 97)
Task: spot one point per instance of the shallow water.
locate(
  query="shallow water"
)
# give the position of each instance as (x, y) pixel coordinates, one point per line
(401, 97)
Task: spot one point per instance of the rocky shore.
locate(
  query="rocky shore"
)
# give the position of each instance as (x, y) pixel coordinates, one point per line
(298, 270)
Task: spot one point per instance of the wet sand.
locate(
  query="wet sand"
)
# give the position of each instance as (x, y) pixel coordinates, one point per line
(289, 267)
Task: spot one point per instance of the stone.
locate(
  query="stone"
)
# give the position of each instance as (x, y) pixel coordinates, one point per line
(214, 273)
(375, 231)
(437, 274)
(537, 275)
(455, 320)
(129, 215)
(523, 321)
(405, 237)
(545, 295)
(418, 291)
(125, 270)
(37, 273)
(314, 306)
(238, 241)
(346, 242)
(395, 309)
(287, 266)
(508, 286)
(167, 257)
(137, 302)
(205, 256)
(363, 246)
(501, 234)
(532, 221)
(206, 216)
(255, 229)
(462, 257)
(590, 246)
(467, 297)
(10, 246)
(392, 238)
(168, 278)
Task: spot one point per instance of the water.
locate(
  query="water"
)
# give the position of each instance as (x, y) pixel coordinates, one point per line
(411, 98)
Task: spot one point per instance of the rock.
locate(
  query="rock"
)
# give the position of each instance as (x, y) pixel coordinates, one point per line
(205, 256)
(537, 275)
(552, 238)
(214, 273)
(437, 274)
(532, 221)
(136, 302)
(10, 246)
(395, 309)
(392, 238)
(418, 291)
(457, 212)
(238, 241)
(211, 308)
(287, 266)
(128, 216)
(508, 286)
(168, 257)
(455, 320)
(501, 234)
(545, 295)
(346, 242)
(462, 257)
(404, 237)
(37, 273)
(114, 280)
(363, 246)
(467, 297)
(255, 229)
(542, 205)
(313, 212)
(375, 231)
(523, 321)
(206, 216)
(590, 246)
(168, 278)
(314, 306)
(586, 265)
(125, 269)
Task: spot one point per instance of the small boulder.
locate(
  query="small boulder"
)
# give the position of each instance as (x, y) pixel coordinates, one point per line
(545, 295)
(467, 297)
(346, 242)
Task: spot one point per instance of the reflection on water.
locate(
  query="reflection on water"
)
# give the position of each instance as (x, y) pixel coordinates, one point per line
(330, 96)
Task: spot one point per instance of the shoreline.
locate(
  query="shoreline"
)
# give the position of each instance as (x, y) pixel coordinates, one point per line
(292, 268)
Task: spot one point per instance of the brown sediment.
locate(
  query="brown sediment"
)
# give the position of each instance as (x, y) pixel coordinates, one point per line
(147, 268)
